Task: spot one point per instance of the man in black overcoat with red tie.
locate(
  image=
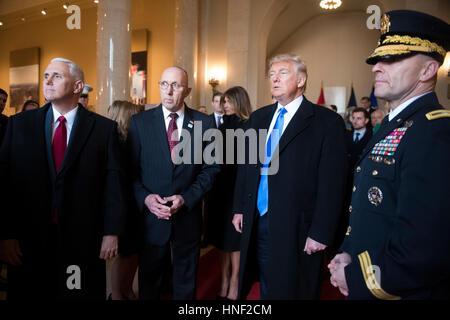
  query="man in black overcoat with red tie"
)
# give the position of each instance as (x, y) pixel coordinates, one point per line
(61, 193)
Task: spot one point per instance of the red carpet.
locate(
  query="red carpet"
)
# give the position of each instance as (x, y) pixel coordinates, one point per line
(208, 281)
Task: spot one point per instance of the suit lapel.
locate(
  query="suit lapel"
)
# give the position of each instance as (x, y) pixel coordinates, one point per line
(389, 126)
(267, 117)
(213, 116)
(48, 126)
(159, 131)
(298, 123)
(81, 130)
(188, 121)
(188, 126)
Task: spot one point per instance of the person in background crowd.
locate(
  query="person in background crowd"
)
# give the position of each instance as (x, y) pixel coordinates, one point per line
(3, 124)
(125, 265)
(358, 138)
(220, 229)
(217, 104)
(376, 118)
(202, 109)
(30, 105)
(348, 118)
(365, 103)
(3, 118)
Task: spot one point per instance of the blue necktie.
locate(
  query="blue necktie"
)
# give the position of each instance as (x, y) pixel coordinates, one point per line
(219, 121)
(263, 189)
(356, 137)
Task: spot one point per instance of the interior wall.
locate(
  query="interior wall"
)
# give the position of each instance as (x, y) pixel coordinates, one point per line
(334, 47)
(55, 40)
(212, 47)
(158, 17)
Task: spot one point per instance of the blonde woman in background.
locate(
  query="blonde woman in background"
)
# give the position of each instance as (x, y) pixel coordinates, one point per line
(220, 230)
(125, 265)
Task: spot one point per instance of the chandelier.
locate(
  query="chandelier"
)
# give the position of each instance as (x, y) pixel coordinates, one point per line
(330, 4)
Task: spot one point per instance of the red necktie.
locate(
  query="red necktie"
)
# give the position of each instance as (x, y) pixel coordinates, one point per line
(172, 127)
(59, 143)
(59, 150)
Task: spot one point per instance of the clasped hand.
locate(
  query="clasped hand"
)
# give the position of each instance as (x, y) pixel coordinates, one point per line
(158, 205)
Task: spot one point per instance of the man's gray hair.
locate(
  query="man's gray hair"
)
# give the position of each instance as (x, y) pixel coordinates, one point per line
(300, 65)
(74, 70)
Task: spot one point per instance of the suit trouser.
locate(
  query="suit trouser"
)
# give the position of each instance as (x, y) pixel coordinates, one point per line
(263, 252)
(153, 263)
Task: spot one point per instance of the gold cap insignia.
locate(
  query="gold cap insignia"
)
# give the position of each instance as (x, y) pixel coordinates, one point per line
(385, 23)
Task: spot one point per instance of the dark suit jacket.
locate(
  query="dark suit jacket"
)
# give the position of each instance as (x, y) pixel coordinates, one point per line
(213, 117)
(354, 150)
(154, 173)
(3, 124)
(86, 193)
(305, 199)
(400, 213)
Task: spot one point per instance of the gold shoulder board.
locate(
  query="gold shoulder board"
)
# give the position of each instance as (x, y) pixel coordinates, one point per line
(433, 115)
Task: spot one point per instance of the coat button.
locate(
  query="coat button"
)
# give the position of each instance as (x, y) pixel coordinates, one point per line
(374, 172)
(358, 169)
(354, 188)
(249, 195)
(349, 229)
(350, 209)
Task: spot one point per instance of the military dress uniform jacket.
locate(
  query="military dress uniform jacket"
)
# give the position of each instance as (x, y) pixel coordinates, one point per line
(398, 236)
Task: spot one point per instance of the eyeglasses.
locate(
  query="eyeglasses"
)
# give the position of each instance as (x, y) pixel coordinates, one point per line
(164, 85)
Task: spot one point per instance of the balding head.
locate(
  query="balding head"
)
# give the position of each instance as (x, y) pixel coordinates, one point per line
(173, 88)
(181, 71)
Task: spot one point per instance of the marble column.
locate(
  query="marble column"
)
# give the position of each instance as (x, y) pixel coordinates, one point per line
(186, 42)
(238, 42)
(113, 52)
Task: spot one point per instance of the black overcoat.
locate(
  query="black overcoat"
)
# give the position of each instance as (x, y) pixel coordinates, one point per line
(86, 194)
(305, 199)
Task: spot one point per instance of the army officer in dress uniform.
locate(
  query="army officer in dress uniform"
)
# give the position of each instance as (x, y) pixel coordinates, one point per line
(398, 239)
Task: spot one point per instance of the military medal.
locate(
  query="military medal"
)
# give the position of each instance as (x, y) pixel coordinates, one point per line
(389, 144)
(375, 196)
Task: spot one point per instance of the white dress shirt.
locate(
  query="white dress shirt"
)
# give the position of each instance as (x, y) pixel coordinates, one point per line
(291, 109)
(400, 108)
(361, 132)
(180, 119)
(70, 118)
(216, 116)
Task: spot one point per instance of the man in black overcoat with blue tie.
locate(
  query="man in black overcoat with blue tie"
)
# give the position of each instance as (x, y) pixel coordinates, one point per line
(288, 218)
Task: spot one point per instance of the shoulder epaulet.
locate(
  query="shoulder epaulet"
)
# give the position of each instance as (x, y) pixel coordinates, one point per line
(436, 114)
